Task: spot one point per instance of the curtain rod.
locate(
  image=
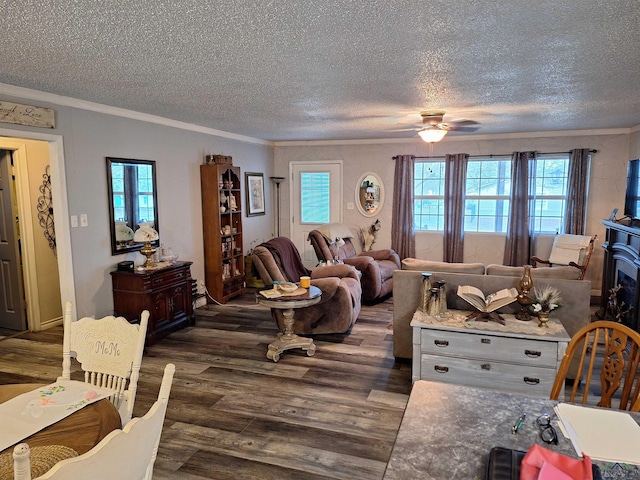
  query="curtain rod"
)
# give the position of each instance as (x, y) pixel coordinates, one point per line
(493, 155)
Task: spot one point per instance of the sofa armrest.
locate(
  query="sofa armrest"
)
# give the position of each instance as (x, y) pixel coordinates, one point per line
(360, 263)
(337, 271)
(384, 254)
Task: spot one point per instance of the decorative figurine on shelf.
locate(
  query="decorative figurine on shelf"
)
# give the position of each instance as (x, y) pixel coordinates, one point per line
(232, 203)
(223, 202)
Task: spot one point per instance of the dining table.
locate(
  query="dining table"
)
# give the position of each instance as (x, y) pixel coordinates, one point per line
(80, 431)
(448, 431)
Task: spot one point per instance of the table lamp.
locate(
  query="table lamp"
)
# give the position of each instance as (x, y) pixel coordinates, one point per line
(124, 234)
(146, 234)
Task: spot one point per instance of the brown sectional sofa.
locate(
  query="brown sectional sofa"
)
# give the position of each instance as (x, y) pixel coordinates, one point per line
(574, 313)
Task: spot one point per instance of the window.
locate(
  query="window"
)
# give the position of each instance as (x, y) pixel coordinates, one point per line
(126, 180)
(487, 194)
(488, 188)
(315, 196)
(549, 200)
(428, 205)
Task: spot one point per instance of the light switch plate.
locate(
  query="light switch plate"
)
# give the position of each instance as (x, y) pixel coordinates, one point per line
(74, 221)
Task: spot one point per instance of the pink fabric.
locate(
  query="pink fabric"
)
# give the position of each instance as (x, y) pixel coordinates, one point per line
(542, 464)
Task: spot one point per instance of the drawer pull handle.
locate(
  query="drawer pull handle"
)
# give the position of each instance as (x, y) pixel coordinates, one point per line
(441, 343)
(485, 340)
(485, 366)
(440, 369)
(532, 353)
(531, 380)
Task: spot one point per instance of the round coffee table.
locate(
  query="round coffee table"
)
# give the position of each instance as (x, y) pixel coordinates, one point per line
(287, 339)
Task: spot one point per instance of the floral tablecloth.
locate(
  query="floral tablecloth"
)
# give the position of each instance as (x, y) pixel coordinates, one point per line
(30, 412)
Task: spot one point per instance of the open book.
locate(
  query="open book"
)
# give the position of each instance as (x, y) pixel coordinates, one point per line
(271, 293)
(488, 303)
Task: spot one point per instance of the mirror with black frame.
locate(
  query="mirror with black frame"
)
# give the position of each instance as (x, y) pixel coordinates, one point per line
(132, 200)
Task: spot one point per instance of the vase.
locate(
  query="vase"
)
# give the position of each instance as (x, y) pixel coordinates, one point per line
(526, 284)
(425, 292)
(543, 319)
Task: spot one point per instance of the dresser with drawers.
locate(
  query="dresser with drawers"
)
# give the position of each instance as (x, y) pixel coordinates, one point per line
(166, 292)
(518, 357)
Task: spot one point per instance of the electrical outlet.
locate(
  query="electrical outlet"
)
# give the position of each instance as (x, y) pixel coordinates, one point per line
(74, 221)
(84, 220)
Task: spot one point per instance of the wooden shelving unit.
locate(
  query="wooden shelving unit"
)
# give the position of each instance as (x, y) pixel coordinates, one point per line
(222, 231)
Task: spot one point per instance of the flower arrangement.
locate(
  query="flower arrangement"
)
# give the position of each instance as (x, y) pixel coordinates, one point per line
(547, 299)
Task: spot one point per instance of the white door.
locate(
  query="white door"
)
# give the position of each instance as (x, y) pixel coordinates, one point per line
(316, 199)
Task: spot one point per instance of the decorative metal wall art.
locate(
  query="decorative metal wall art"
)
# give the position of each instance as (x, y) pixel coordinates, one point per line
(45, 210)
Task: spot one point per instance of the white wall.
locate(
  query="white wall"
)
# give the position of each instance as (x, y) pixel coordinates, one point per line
(88, 138)
(607, 186)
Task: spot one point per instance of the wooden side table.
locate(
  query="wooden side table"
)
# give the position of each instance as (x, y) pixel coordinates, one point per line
(288, 304)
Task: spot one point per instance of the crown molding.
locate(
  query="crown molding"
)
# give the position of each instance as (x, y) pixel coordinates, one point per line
(61, 100)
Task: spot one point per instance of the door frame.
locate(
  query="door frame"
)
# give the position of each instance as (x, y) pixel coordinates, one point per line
(11, 140)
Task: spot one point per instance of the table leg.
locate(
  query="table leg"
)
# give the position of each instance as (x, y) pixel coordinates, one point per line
(288, 339)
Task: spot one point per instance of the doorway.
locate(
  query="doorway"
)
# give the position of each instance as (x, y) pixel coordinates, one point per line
(20, 145)
(12, 307)
(316, 199)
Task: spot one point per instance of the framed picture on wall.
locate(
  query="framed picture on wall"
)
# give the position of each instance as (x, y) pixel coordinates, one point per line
(254, 187)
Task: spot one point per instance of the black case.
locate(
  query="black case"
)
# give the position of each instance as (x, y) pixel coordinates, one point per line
(126, 266)
(504, 464)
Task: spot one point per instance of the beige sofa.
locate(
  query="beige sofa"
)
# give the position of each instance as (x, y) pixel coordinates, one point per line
(561, 271)
(574, 314)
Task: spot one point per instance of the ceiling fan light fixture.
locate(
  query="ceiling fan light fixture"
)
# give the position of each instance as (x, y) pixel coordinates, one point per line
(432, 134)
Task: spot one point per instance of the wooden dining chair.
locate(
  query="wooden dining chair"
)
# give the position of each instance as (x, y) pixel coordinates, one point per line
(109, 351)
(607, 351)
(125, 453)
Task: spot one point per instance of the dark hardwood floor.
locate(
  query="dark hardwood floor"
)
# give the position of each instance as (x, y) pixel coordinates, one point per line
(234, 414)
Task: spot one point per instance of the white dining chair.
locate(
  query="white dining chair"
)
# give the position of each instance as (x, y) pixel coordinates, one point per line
(127, 453)
(109, 351)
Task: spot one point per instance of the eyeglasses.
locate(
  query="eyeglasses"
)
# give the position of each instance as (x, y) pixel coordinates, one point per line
(547, 432)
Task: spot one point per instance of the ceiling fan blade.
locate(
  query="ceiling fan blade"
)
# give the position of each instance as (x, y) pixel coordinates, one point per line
(463, 129)
(463, 123)
(407, 129)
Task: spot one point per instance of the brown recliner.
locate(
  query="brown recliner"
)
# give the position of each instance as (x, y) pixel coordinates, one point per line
(376, 266)
(339, 306)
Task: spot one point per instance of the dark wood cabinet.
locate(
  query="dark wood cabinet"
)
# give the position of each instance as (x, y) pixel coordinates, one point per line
(621, 267)
(222, 231)
(165, 293)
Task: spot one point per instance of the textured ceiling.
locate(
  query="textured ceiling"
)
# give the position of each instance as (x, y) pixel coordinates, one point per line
(335, 69)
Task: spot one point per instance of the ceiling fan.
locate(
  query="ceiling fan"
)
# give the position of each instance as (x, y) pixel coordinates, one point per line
(435, 129)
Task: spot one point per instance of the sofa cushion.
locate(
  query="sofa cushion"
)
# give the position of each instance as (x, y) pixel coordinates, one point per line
(432, 266)
(565, 272)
